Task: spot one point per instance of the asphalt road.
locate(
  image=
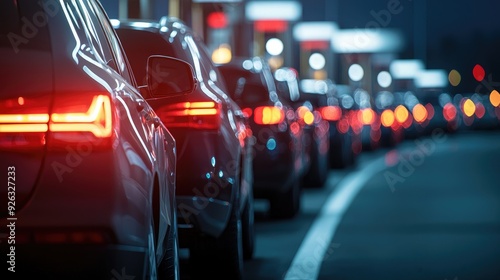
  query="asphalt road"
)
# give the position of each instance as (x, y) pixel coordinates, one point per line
(428, 209)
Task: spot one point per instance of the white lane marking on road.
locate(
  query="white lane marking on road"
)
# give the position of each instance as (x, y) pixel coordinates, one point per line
(307, 261)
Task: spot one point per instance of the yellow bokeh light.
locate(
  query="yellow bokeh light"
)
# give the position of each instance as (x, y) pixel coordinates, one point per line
(495, 98)
(309, 118)
(367, 116)
(419, 113)
(401, 113)
(222, 54)
(454, 77)
(469, 108)
(387, 118)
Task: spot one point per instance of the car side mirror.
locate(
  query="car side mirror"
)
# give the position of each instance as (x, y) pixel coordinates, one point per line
(168, 76)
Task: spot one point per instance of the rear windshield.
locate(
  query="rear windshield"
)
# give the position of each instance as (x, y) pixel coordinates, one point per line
(139, 45)
(25, 49)
(245, 87)
(24, 27)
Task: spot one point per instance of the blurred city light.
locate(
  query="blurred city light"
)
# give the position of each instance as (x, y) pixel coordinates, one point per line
(495, 98)
(387, 118)
(405, 68)
(314, 31)
(454, 78)
(356, 72)
(478, 72)
(468, 107)
(384, 79)
(367, 41)
(272, 10)
(431, 79)
(317, 61)
(274, 46)
(419, 113)
(401, 114)
(222, 54)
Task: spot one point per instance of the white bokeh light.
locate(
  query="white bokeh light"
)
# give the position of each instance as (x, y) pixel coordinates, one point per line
(356, 72)
(274, 46)
(384, 79)
(317, 61)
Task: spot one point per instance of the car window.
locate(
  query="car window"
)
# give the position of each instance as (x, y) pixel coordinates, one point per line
(113, 41)
(95, 35)
(139, 45)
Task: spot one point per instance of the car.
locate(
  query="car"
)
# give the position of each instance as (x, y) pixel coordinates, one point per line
(342, 148)
(90, 167)
(316, 129)
(215, 178)
(279, 154)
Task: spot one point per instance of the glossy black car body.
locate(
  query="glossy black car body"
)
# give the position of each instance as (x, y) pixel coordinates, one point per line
(279, 162)
(215, 178)
(91, 168)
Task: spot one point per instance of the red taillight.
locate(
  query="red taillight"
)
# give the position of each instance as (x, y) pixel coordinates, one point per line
(75, 119)
(201, 115)
(96, 118)
(268, 115)
(331, 113)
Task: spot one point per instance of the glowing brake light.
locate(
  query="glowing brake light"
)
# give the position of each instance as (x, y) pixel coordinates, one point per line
(268, 115)
(201, 115)
(75, 119)
(97, 119)
(331, 113)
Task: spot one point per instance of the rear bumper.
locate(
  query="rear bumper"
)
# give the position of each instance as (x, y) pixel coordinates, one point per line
(201, 215)
(76, 262)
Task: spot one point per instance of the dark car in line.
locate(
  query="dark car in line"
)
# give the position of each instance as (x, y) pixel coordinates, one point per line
(316, 129)
(89, 168)
(215, 178)
(279, 162)
(342, 149)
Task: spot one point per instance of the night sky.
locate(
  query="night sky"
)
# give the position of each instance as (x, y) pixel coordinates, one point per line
(446, 34)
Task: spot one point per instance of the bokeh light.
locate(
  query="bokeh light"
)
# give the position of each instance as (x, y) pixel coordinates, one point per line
(356, 72)
(317, 61)
(384, 79)
(495, 98)
(274, 46)
(401, 114)
(454, 77)
(387, 118)
(469, 108)
(419, 113)
(478, 72)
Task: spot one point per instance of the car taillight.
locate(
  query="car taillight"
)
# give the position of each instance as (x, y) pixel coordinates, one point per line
(268, 115)
(74, 119)
(331, 113)
(79, 119)
(200, 115)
